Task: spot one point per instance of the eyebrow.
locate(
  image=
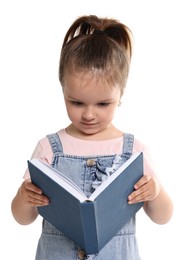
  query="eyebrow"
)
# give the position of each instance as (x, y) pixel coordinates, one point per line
(99, 101)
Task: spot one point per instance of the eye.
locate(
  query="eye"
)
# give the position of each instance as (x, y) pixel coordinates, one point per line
(76, 103)
(103, 104)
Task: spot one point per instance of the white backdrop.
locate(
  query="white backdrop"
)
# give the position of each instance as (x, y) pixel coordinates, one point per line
(31, 103)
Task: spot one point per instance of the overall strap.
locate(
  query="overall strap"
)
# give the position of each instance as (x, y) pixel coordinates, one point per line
(55, 143)
(128, 145)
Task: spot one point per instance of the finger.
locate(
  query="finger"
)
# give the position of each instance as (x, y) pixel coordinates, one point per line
(137, 192)
(145, 179)
(37, 203)
(32, 187)
(35, 199)
(142, 194)
(145, 196)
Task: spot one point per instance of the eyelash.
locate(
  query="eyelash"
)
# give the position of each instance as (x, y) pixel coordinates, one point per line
(103, 104)
(78, 103)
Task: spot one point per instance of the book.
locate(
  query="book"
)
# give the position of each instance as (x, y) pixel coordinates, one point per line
(92, 221)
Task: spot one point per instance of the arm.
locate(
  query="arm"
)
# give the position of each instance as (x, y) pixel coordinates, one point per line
(157, 203)
(25, 203)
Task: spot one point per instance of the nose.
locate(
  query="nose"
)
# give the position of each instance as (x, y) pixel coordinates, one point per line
(88, 113)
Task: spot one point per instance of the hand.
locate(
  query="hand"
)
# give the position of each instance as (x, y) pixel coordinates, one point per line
(146, 189)
(31, 195)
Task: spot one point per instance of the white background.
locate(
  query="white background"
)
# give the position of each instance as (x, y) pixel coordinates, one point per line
(31, 103)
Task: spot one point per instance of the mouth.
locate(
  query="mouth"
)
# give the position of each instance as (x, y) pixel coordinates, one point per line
(88, 124)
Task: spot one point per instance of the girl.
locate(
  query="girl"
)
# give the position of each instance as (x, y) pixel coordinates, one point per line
(93, 71)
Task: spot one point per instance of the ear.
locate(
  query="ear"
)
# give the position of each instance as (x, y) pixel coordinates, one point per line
(119, 104)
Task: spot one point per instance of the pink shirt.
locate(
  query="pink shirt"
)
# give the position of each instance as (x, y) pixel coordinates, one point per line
(79, 147)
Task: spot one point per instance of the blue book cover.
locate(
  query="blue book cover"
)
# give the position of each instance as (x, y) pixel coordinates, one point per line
(89, 222)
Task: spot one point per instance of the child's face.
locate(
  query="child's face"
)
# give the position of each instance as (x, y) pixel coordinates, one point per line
(89, 102)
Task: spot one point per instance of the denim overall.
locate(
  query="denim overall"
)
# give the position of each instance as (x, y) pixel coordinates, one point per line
(87, 172)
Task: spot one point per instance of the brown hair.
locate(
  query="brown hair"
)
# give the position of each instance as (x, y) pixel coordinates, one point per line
(101, 45)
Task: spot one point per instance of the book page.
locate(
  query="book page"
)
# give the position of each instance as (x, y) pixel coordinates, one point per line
(60, 178)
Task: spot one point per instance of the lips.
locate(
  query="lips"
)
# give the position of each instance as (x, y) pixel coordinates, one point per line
(88, 124)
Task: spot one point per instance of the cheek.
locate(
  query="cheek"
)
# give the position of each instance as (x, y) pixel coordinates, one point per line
(108, 114)
(73, 113)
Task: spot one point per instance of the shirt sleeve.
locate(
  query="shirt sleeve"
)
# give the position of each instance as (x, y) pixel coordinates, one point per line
(43, 152)
(149, 167)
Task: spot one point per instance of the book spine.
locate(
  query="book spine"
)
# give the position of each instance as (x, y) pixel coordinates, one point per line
(88, 220)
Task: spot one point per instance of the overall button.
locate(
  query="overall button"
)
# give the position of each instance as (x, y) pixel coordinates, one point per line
(81, 254)
(90, 162)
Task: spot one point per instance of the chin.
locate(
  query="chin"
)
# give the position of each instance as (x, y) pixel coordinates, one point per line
(89, 132)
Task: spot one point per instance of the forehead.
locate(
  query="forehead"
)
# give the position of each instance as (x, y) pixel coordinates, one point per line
(94, 80)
